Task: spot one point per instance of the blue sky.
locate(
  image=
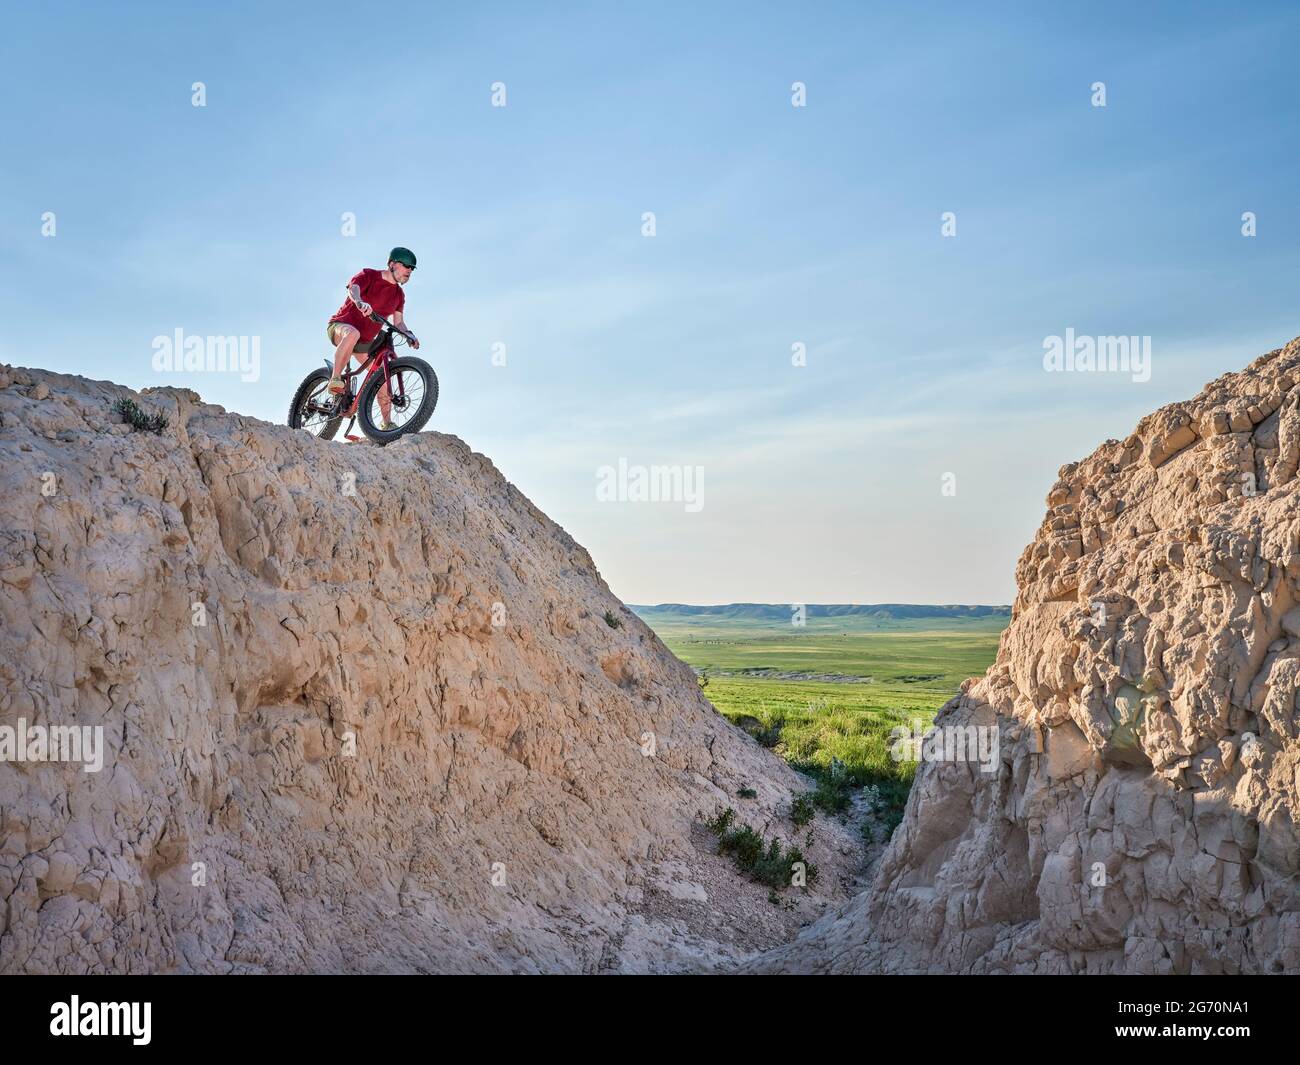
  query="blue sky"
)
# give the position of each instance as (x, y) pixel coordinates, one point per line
(775, 225)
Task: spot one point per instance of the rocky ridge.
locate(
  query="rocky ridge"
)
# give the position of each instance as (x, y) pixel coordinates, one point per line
(1143, 814)
(361, 710)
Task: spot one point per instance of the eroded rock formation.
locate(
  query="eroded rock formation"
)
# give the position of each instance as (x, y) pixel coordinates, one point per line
(362, 710)
(1143, 817)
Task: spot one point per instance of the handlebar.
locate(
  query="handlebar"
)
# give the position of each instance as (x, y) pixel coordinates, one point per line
(381, 320)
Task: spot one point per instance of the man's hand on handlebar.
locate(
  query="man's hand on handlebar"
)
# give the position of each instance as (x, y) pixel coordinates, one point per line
(381, 320)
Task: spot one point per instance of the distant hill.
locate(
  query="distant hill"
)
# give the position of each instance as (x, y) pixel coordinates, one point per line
(782, 611)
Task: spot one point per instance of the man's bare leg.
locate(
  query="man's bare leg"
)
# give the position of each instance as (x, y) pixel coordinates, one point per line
(385, 404)
(348, 338)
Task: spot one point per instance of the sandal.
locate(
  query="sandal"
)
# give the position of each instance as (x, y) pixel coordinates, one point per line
(336, 386)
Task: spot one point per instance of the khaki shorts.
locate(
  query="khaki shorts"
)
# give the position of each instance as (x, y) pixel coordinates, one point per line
(363, 346)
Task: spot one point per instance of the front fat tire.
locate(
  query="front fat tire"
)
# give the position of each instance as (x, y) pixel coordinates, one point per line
(305, 389)
(418, 419)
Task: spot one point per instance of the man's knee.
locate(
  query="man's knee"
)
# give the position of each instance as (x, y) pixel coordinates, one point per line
(346, 337)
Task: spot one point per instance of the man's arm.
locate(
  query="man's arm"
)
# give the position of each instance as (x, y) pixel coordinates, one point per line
(354, 294)
(398, 320)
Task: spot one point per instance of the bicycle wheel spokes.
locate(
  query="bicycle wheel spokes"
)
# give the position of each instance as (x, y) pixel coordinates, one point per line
(405, 400)
(319, 409)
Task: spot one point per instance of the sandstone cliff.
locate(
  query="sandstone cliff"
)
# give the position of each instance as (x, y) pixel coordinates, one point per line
(362, 711)
(1144, 814)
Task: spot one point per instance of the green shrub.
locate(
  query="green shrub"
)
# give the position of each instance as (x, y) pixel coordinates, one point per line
(833, 796)
(764, 861)
(612, 621)
(802, 809)
(747, 793)
(137, 418)
(721, 821)
(744, 845)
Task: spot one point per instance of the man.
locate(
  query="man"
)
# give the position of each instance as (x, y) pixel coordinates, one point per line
(352, 332)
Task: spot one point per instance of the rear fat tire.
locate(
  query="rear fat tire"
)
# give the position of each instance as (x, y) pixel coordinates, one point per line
(308, 386)
(418, 419)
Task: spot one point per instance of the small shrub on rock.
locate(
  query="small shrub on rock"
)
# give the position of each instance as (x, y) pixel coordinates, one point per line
(138, 418)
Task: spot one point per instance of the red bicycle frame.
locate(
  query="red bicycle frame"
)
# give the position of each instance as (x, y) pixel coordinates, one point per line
(377, 359)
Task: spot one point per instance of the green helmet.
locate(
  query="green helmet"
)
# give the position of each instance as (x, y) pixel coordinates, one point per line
(402, 255)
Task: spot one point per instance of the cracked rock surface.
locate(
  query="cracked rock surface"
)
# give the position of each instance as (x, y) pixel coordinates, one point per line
(362, 711)
(1143, 818)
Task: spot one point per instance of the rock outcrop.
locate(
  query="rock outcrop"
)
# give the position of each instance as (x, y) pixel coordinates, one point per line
(361, 710)
(1143, 814)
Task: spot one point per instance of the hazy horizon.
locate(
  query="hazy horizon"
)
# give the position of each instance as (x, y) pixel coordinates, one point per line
(754, 602)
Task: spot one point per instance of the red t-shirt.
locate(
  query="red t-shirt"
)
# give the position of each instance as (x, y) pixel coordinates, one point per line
(384, 298)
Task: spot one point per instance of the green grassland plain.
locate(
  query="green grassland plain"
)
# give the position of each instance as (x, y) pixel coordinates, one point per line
(902, 670)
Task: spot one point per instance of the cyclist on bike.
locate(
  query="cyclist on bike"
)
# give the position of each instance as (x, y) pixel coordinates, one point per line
(351, 329)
